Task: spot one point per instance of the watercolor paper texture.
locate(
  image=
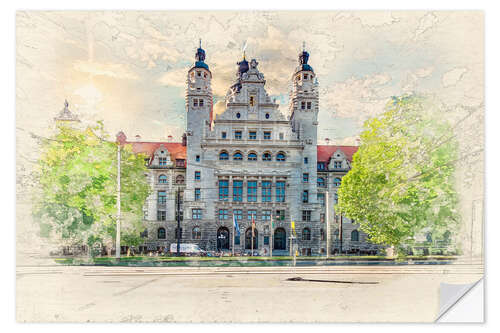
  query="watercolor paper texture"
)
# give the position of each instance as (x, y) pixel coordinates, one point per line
(318, 82)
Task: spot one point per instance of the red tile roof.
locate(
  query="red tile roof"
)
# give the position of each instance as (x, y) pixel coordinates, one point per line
(325, 152)
(176, 149)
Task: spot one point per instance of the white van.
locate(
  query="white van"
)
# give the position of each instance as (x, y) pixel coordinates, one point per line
(187, 249)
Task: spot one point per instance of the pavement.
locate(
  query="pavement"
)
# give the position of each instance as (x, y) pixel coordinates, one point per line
(410, 293)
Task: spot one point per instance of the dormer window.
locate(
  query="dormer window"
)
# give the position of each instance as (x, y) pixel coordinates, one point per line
(162, 161)
(337, 165)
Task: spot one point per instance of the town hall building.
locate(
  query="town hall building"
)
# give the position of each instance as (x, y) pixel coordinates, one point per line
(250, 162)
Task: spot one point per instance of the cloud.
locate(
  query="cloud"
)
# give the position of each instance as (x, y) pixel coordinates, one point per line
(451, 78)
(114, 70)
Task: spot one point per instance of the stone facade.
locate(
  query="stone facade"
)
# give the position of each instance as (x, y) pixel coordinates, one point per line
(251, 161)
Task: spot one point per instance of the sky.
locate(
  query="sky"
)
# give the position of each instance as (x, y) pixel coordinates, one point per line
(129, 68)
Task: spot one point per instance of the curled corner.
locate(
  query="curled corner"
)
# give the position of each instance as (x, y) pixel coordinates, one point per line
(453, 296)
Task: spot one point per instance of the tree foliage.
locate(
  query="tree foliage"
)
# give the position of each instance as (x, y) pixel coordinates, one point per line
(401, 182)
(78, 187)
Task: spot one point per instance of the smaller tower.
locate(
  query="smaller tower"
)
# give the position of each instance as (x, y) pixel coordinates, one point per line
(66, 116)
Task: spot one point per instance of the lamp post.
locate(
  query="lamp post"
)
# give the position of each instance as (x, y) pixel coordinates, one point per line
(327, 226)
(118, 201)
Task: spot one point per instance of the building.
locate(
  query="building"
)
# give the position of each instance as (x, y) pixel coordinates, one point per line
(250, 162)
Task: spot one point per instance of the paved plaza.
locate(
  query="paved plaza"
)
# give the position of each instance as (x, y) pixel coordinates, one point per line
(407, 293)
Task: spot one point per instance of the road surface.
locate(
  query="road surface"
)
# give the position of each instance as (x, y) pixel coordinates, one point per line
(235, 294)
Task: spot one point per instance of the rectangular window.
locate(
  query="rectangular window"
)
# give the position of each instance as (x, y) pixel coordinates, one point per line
(321, 198)
(306, 160)
(238, 190)
(305, 196)
(162, 161)
(322, 217)
(252, 135)
(223, 214)
(201, 102)
(280, 191)
(252, 100)
(236, 240)
(197, 158)
(196, 213)
(282, 136)
(195, 102)
(237, 135)
(238, 214)
(161, 215)
(197, 194)
(266, 191)
(223, 190)
(305, 177)
(224, 135)
(197, 175)
(303, 105)
(266, 215)
(179, 163)
(336, 198)
(252, 191)
(306, 215)
(266, 240)
(162, 197)
(309, 105)
(267, 135)
(251, 213)
(280, 215)
(305, 76)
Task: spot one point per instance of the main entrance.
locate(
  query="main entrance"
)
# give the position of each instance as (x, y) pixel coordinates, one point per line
(222, 239)
(280, 239)
(248, 239)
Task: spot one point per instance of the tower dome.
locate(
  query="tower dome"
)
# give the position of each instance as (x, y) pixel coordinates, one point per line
(242, 66)
(303, 59)
(200, 58)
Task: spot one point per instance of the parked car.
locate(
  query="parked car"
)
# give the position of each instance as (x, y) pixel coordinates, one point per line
(187, 250)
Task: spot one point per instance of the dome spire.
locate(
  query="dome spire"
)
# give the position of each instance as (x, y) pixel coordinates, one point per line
(303, 59)
(200, 57)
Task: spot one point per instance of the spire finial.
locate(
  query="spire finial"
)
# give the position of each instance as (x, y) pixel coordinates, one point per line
(303, 45)
(244, 58)
(200, 43)
(66, 104)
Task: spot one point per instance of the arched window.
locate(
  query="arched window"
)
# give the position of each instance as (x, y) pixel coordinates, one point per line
(321, 182)
(336, 182)
(354, 236)
(306, 234)
(162, 234)
(162, 179)
(322, 234)
(179, 179)
(196, 233)
(252, 156)
(281, 157)
(267, 156)
(248, 239)
(223, 156)
(237, 156)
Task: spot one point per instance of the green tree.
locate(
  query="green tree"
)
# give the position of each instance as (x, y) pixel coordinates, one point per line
(76, 203)
(401, 182)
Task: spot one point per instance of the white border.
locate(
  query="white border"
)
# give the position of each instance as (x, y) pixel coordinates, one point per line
(8, 136)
